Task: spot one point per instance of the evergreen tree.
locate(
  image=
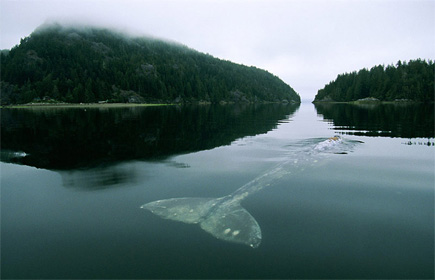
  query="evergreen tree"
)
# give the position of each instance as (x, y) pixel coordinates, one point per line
(89, 64)
(413, 80)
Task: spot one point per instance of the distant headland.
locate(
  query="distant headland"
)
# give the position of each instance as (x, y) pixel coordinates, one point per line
(411, 81)
(70, 64)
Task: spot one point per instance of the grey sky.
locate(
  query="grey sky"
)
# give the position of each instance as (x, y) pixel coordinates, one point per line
(304, 42)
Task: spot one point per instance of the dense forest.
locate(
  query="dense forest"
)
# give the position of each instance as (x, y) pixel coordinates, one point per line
(85, 64)
(412, 81)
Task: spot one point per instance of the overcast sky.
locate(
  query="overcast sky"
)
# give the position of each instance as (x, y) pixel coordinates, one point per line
(304, 42)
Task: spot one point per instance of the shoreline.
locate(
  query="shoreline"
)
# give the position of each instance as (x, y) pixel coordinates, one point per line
(120, 105)
(80, 105)
(369, 102)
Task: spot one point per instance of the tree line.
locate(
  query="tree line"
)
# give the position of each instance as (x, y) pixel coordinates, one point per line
(413, 81)
(86, 64)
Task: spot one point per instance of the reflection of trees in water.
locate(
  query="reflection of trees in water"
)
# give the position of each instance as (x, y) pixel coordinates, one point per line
(389, 120)
(116, 175)
(98, 178)
(420, 143)
(78, 138)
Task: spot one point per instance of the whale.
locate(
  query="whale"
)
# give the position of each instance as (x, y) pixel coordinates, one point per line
(225, 218)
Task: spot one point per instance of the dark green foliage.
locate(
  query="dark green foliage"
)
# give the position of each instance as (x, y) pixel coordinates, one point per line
(73, 64)
(410, 81)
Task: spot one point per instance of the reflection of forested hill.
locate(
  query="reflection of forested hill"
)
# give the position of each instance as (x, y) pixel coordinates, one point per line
(407, 121)
(76, 138)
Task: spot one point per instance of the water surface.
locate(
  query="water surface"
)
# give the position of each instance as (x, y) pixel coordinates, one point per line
(73, 181)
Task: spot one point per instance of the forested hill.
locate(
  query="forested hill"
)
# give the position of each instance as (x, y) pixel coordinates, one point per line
(87, 64)
(412, 81)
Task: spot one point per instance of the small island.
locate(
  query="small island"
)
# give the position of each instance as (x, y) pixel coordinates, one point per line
(411, 81)
(60, 64)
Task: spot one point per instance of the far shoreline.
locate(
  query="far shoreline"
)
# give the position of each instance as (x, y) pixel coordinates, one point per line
(120, 105)
(358, 102)
(81, 105)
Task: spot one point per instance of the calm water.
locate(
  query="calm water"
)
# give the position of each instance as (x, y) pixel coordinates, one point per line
(73, 181)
